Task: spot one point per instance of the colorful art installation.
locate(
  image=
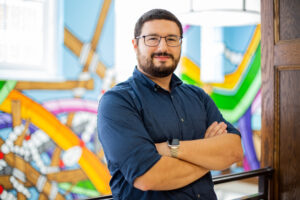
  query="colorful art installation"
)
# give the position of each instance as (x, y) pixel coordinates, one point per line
(246, 131)
(49, 124)
(237, 92)
(48, 140)
(238, 96)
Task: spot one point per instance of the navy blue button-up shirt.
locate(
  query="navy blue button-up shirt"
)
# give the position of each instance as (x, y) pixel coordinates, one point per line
(136, 114)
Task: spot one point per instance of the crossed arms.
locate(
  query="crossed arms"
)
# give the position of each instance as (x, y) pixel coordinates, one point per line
(217, 151)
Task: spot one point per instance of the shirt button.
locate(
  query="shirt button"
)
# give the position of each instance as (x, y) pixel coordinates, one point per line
(172, 96)
(198, 196)
(182, 120)
(155, 89)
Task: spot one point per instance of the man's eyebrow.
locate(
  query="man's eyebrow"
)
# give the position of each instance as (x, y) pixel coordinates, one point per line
(152, 34)
(174, 35)
(155, 34)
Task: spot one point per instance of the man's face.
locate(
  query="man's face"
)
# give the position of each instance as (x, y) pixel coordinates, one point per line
(161, 60)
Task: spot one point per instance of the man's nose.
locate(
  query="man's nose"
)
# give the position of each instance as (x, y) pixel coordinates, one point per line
(162, 46)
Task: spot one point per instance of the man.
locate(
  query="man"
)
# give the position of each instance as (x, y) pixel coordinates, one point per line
(162, 137)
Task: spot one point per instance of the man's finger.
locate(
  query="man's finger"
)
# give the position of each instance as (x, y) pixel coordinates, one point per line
(217, 127)
(222, 130)
(214, 124)
(214, 129)
(209, 132)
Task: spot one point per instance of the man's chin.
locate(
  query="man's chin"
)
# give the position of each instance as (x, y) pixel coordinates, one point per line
(161, 65)
(164, 68)
(163, 71)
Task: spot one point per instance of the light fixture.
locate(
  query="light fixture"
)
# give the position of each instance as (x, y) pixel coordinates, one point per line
(222, 13)
(212, 16)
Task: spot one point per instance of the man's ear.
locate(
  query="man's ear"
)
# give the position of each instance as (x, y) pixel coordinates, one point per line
(134, 44)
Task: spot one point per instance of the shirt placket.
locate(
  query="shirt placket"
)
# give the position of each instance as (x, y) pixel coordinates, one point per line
(178, 113)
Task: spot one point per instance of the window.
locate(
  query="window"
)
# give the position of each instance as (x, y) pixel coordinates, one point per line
(31, 39)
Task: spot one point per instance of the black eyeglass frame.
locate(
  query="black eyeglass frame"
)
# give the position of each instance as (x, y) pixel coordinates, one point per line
(165, 37)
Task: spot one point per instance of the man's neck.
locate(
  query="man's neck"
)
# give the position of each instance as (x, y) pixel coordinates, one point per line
(163, 82)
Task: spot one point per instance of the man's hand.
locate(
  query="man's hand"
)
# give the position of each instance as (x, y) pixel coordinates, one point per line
(216, 129)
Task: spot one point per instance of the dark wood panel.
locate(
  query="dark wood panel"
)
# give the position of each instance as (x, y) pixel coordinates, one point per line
(289, 19)
(267, 68)
(280, 95)
(267, 49)
(287, 53)
(289, 133)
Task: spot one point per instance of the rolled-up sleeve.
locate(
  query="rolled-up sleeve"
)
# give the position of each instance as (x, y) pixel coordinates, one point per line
(125, 140)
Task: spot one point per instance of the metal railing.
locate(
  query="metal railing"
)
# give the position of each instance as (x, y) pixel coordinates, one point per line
(264, 174)
(264, 177)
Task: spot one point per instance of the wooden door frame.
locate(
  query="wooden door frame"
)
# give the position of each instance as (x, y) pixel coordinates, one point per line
(276, 56)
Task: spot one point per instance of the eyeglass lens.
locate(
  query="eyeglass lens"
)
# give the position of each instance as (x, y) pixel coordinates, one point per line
(153, 40)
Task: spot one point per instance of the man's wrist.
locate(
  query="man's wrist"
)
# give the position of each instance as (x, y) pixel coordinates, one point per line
(174, 145)
(174, 152)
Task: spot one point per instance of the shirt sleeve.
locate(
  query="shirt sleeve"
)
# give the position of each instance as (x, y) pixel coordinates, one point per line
(125, 140)
(214, 114)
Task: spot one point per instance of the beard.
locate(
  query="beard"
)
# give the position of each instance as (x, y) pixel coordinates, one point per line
(148, 66)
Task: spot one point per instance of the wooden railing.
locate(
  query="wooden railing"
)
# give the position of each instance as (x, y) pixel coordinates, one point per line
(264, 176)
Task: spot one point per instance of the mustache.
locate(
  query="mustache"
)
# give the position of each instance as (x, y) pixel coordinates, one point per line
(162, 54)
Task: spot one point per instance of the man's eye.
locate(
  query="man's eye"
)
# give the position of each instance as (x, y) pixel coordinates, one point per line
(152, 38)
(172, 39)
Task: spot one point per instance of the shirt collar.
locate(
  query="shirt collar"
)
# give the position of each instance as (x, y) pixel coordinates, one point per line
(175, 81)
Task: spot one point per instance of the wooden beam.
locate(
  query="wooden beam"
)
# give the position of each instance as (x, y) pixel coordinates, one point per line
(17, 120)
(5, 182)
(66, 85)
(101, 20)
(19, 140)
(72, 176)
(31, 174)
(72, 42)
(16, 113)
(43, 197)
(56, 157)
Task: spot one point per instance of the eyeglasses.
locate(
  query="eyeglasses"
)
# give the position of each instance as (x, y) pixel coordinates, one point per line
(154, 40)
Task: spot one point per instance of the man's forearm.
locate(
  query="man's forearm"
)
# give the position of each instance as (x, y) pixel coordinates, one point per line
(168, 174)
(215, 153)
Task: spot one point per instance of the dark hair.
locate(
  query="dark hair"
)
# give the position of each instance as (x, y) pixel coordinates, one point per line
(155, 14)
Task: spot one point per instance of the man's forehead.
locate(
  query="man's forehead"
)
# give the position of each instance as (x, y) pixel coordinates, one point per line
(160, 26)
